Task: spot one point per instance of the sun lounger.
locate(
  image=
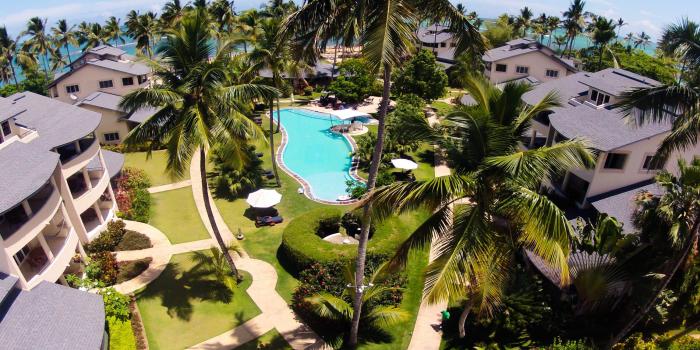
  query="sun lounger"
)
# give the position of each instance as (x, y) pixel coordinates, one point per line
(268, 220)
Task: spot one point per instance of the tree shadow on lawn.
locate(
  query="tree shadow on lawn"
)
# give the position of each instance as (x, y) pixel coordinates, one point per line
(177, 290)
(427, 156)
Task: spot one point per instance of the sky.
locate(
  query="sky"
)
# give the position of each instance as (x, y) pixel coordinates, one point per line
(649, 16)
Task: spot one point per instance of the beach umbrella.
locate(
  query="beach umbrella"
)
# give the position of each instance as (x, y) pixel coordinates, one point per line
(263, 198)
(404, 164)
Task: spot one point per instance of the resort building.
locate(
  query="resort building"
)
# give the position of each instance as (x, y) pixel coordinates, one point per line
(103, 68)
(55, 186)
(526, 59)
(116, 123)
(440, 42)
(624, 151)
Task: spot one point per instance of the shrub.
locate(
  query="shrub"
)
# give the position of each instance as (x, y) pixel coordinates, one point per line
(103, 267)
(116, 304)
(308, 91)
(234, 180)
(131, 269)
(141, 206)
(133, 240)
(421, 75)
(121, 334)
(328, 226)
(355, 81)
(132, 195)
(108, 240)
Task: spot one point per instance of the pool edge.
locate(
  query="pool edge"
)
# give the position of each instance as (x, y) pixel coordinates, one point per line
(308, 192)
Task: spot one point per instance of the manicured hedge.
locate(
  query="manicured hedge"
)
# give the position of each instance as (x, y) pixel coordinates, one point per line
(121, 336)
(301, 246)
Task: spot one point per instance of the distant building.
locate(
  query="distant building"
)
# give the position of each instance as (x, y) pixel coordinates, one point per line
(526, 59)
(116, 123)
(624, 152)
(436, 39)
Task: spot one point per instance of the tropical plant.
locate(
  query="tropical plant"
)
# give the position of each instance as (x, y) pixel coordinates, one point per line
(628, 38)
(232, 180)
(499, 32)
(113, 31)
(482, 146)
(643, 39)
(552, 24)
(11, 54)
(560, 40)
(91, 35)
(620, 23)
(39, 41)
(524, 20)
(603, 33)
(682, 40)
(214, 263)
(247, 26)
(375, 316)
(222, 14)
(142, 29)
(64, 37)
(198, 106)
(172, 12)
(356, 81)
(386, 30)
(574, 22)
(678, 209)
(421, 76)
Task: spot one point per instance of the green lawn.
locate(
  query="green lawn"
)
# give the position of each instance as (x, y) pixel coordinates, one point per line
(442, 108)
(154, 166)
(175, 213)
(183, 307)
(269, 340)
(262, 243)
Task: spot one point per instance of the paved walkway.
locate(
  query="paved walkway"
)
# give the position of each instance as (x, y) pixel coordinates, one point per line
(168, 187)
(275, 311)
(425, 336)
(160, 253)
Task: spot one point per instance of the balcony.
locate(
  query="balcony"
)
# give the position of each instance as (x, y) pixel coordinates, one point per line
(80, 160)
(74, 149)
(95, 224)
(18, 226)
(86, 192)
(39, 264)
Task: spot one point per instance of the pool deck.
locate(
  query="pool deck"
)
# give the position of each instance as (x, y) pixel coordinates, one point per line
(305, 185)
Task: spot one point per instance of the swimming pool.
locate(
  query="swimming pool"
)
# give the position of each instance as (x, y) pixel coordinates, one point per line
(321, 158)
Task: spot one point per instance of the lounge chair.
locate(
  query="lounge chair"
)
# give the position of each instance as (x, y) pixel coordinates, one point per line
(268, 220)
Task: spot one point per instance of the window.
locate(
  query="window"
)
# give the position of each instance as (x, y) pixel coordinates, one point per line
(652, 164)
(142, 79)
(111, 136)
(443, 44)
(71, 89)
(128, 81)
(501, 68)
(6, 130)
(104, 84)
(522, 70)
(552, 73)
(607, 99)
(21, 255)
(453, 44)
(615, 161)
(594, 95)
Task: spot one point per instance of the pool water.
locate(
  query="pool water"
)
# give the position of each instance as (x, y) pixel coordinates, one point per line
(322, 158)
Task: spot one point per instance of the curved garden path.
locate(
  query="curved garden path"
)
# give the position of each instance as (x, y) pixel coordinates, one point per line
(171, 186)
(425, 336)
(275, 311)
(160, 253)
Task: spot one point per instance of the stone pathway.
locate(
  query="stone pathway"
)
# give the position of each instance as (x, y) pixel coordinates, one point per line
(275, 311)
(425, 336)
(160, 253)
(168, 187)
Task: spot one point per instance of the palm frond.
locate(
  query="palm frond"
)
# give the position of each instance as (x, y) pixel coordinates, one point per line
(329, 306)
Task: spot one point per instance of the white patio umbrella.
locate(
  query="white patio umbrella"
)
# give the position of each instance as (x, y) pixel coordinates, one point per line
(405, 164)
(263, 198)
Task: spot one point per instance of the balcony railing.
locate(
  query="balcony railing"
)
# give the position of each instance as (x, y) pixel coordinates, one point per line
(43, 204)
(70, 151)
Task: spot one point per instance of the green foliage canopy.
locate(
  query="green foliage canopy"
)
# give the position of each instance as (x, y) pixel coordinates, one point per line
(422, 76)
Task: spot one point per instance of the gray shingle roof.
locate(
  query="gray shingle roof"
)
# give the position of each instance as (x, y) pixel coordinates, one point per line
(616, 81)
(606, 129)
(51, 316)
(8, 109)
(25, 167)
(428, 35)
(133, 68)
(140, 115)
(110, 101)
(7, 283)
(107, 50)
(567, 87)
(620, 203)
(523, 46)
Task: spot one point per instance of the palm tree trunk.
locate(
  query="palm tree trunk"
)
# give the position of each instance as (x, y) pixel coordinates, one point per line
(14, 75)
(367, 210)
(463, 317)
(335, 57)
(600, 58)
(667, 279)
(210, 213)
(68, 55)
(272, 144)
(278, 114)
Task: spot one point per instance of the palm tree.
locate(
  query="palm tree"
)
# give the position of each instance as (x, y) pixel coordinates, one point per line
(198, 106)
(91, 35)
(603, 33)
(11, 55)
(629, 37)
(222, 13)
(271, 52)
(682, 40)
(620, 23)
(574, 22)
(552, 25)
(560, 40)
(113, 31)
(336, 308)
(386, 30)
(524, 20)
(64, 37)
(171, 14)
(679, 210)
(142, 29)
(498, 182)
(214, 263)
(248, 25)
(39, 41)
(643, 39)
